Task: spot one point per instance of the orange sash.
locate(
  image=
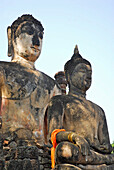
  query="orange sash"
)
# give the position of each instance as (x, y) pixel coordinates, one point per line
(54, 143)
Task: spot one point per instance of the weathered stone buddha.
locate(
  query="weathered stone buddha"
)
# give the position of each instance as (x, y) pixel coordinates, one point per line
(83, 140)
(24, 91)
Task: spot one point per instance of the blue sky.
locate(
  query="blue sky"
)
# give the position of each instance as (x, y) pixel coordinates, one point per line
(90, 24)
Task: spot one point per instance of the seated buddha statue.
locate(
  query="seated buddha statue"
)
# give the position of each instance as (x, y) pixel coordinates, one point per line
(77, 127)
(24, 91)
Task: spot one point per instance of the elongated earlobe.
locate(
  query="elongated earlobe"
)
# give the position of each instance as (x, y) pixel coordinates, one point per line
(10, 48)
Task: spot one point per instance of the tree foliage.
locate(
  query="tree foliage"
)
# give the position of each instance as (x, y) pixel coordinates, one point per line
(113, 147)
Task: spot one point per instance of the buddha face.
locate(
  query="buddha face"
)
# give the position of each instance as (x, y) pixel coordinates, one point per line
(27, 41)
(81, 76)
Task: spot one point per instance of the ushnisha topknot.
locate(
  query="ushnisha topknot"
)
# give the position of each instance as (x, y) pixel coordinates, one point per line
(76, 53)
(26, 17)
(75, 60)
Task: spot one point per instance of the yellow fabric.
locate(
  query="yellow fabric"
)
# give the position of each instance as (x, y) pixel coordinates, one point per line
(54, 143)
(70, 137)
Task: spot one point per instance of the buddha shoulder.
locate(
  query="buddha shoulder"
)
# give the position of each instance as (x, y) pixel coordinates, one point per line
(17, 82)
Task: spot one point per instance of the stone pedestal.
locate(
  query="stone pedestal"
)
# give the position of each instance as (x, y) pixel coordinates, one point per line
(18, 157)
(66, 167)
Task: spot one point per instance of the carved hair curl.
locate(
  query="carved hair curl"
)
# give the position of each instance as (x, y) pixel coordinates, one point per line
(26, 17)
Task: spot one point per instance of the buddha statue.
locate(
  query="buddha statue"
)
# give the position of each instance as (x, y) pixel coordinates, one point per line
(77, 127)
(24, 91)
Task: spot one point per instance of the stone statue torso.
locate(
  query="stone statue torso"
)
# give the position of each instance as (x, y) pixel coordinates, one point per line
(20, 82)
(77, 115)
(24, 96)
(80, 116)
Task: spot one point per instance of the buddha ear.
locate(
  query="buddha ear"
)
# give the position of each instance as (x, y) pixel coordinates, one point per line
(67, 78)
(10, 47)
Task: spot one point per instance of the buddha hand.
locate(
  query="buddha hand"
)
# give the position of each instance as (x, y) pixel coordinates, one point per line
(80, 142)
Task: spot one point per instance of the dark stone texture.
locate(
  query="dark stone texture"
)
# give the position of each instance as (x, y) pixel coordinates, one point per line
(2, 164)
(27, 152)
(25, 164)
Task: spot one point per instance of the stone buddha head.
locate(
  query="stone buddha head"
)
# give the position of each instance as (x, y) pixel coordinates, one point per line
(78, 72)
(25, 38)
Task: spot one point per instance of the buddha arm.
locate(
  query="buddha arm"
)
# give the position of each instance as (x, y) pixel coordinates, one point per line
(79, 141)
(1, 84)
(54, 116)
(103, 135)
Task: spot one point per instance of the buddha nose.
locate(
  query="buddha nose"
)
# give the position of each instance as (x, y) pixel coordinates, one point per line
(35, 40)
